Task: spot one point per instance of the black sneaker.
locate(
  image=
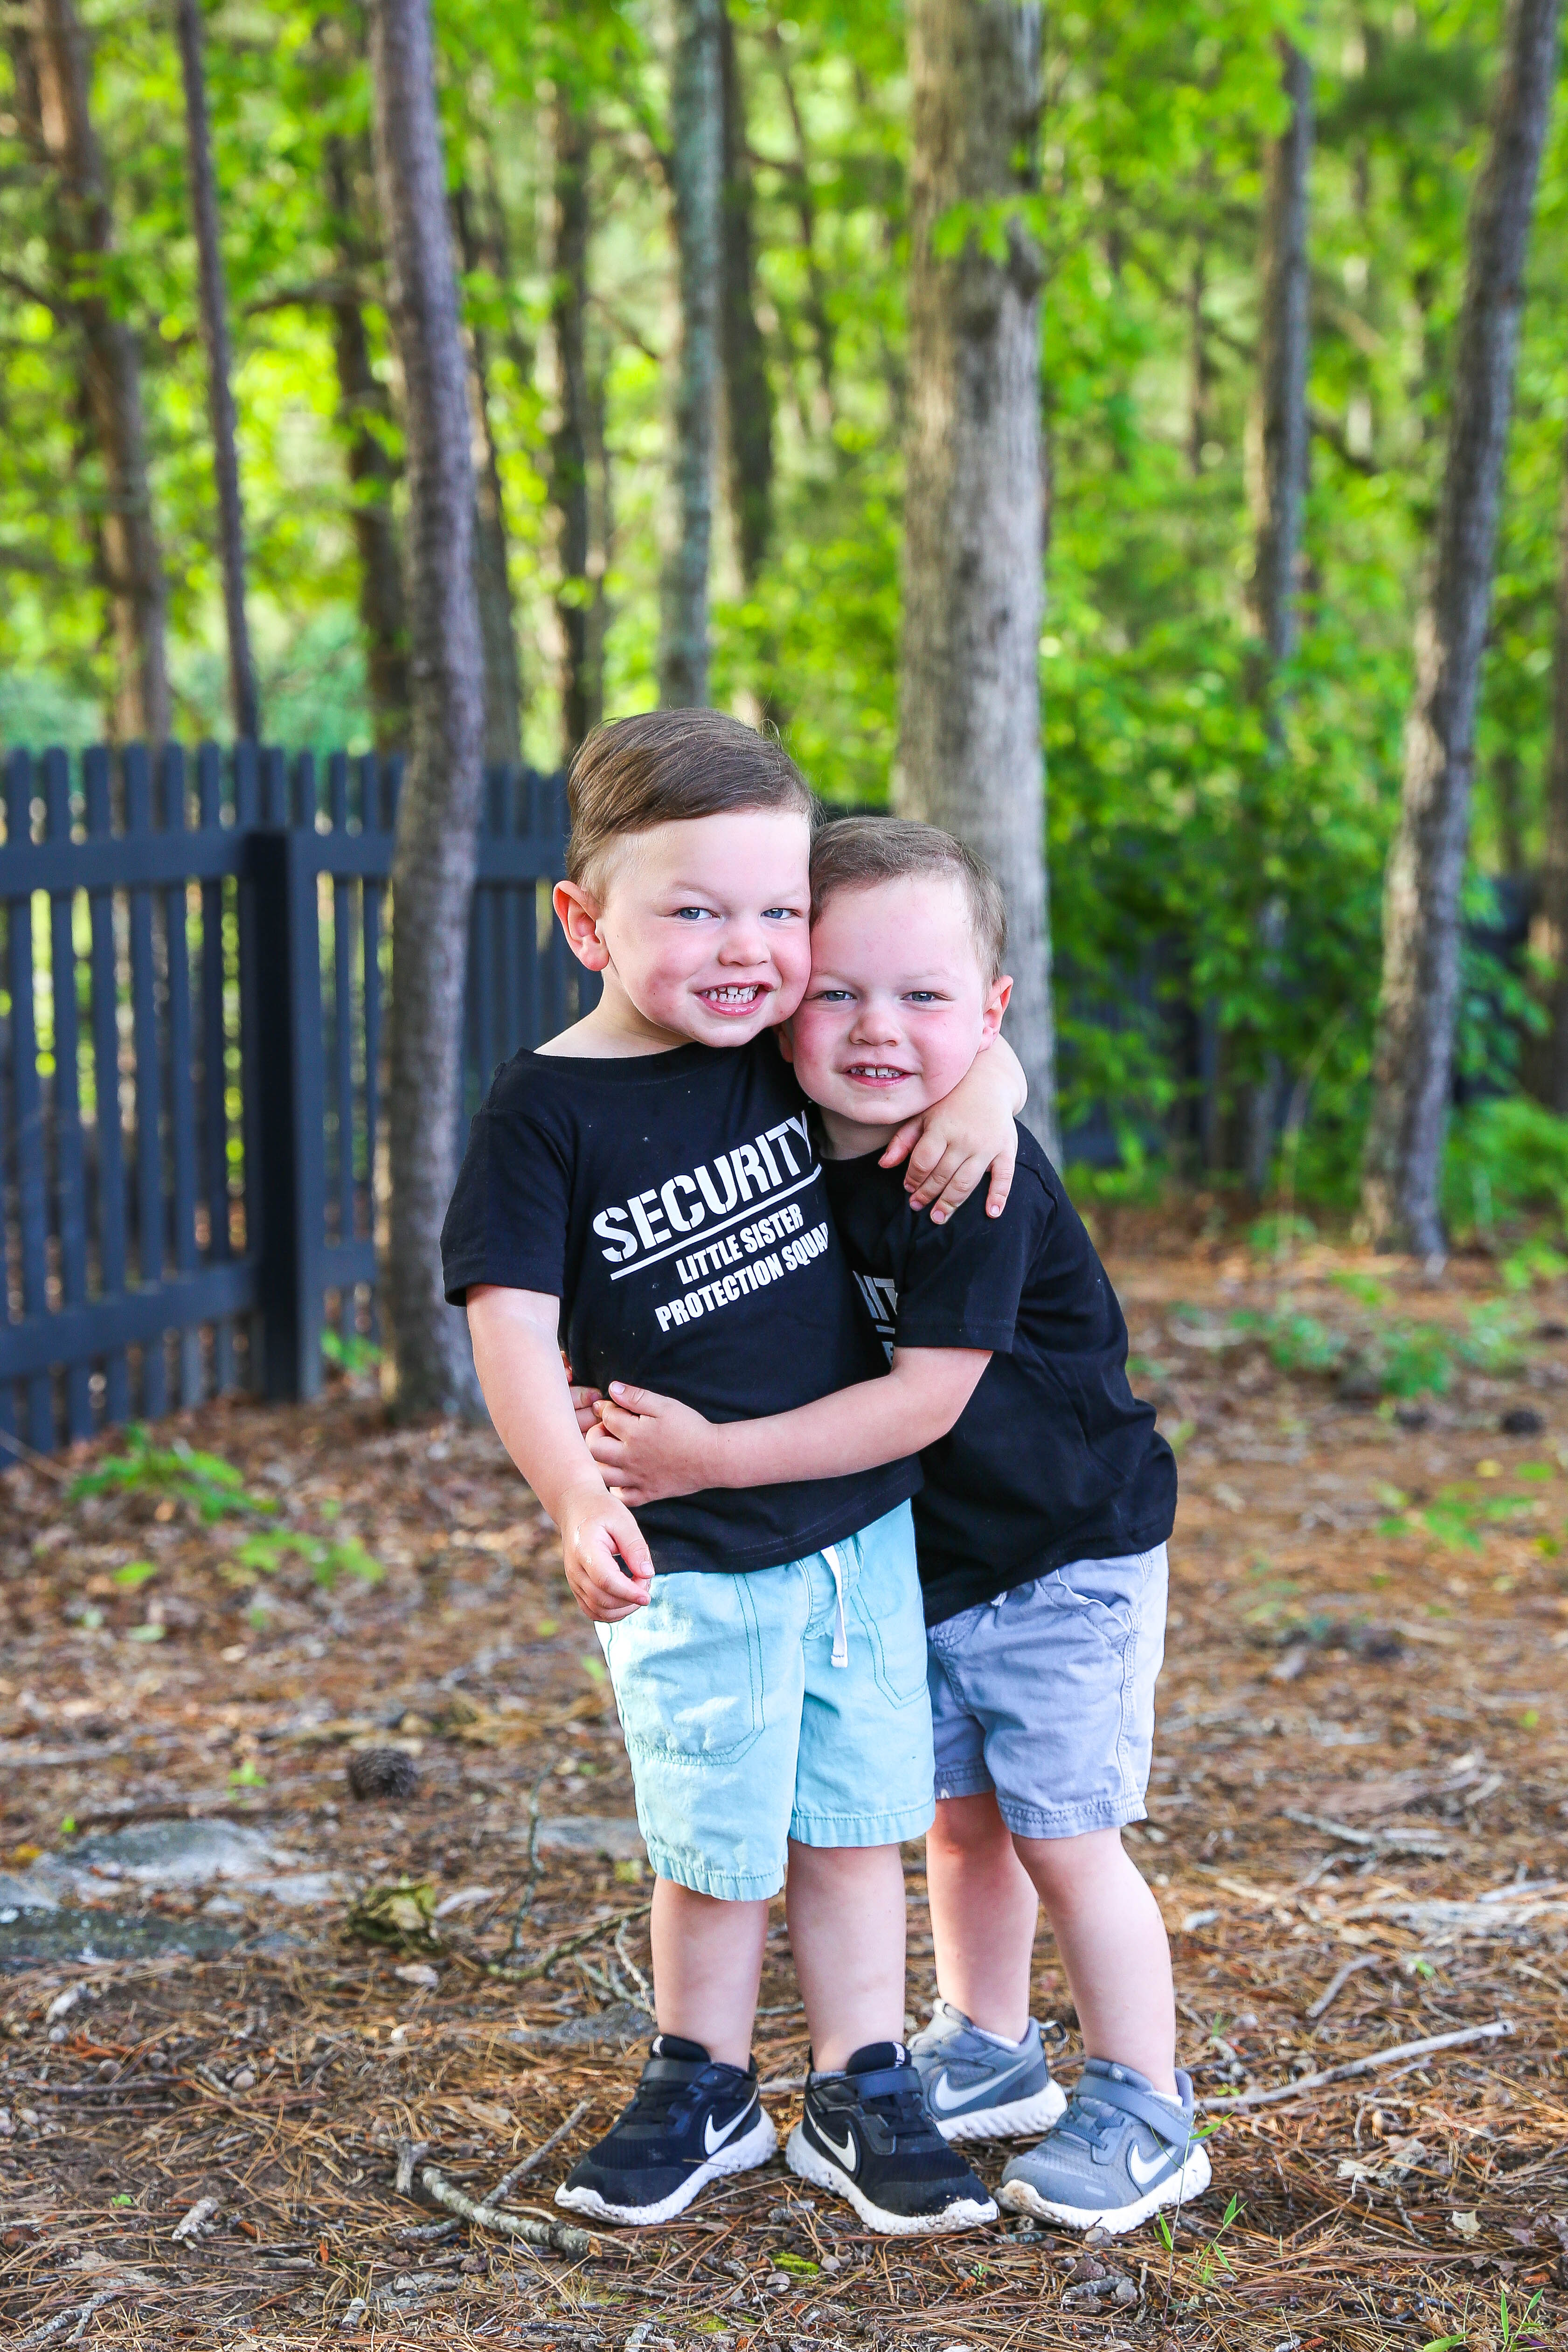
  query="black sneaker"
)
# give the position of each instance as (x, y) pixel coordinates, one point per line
(868, 2135)
(692, 2120)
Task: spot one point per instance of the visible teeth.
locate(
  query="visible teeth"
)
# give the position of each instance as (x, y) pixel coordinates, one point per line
(873, 1070)
(733, 996)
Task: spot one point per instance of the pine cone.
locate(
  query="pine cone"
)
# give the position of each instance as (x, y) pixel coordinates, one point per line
(389, 1774)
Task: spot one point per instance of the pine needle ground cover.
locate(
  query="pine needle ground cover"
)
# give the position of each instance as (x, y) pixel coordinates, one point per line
(1356, 1834)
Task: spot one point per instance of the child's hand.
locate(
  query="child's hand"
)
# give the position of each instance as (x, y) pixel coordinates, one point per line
(649, 1447)
(951, 1145)
(585, 1403)
(608, 1565)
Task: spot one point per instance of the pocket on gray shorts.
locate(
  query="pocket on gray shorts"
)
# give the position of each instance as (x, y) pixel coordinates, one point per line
(1059, 1681)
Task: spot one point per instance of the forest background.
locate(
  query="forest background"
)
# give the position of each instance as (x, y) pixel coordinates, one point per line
(1184, 810)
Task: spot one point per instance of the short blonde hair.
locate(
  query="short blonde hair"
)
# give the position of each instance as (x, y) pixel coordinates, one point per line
(856, 852)
(664, 767)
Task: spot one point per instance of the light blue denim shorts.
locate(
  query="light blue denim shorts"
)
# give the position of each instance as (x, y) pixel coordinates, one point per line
(1046, 1695)
(787, 1702)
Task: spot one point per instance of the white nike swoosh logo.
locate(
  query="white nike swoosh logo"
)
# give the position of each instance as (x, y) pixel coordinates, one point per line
(1145, 2169)
(944, 2099)
(847, 2154)
(713, 2140)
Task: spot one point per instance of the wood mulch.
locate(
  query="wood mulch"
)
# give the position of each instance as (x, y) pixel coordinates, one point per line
(1360, 1791)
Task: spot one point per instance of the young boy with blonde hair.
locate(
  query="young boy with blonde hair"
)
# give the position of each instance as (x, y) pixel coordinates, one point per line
(1041, 1525)
(644, 1192)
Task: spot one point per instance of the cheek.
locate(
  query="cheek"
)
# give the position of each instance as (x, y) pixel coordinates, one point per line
(947, 1050)
(791, 959)
(815, 1033)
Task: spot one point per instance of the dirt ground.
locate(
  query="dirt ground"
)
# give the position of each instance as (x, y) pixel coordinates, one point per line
(1360, 1791)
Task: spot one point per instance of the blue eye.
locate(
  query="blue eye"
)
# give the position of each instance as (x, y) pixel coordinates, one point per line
(690, 914)
(780, 914)
(832, 996)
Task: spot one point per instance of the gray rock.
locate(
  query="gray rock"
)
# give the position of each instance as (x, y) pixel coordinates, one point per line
(610, 1836)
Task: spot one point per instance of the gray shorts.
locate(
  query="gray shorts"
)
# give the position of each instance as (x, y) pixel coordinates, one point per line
(1046, 1695)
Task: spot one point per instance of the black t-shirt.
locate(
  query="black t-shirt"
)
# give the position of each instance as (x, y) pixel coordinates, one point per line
(1053, 1458)
(674, 1204)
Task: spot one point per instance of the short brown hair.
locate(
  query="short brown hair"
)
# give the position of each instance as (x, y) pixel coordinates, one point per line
(664, 767)
(856, 852)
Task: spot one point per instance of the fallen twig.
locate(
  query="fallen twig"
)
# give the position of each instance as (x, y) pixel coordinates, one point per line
(559, 2235)
(544, 1962)
(1338, 1982)
(198, 2221)
(1374, 1840)
(530, 2163)
(79, 2314)
(1221, 2105)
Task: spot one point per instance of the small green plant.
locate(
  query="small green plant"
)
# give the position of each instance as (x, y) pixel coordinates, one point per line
(351, 1355)
(1456, 1517)
(1510, 2330)
(327, 1556)
(1271, 1236)
(212, 1486)
(1364, 1288)
(1295, 1342)
(135, 1572)
(246, 1776)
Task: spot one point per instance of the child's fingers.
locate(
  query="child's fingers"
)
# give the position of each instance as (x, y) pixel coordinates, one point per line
(1000, 1186)
(900, 1143)
(635, 1399)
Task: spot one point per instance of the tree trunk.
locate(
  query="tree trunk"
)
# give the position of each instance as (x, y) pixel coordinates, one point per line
(492, 577)
(1551, 931)
(1279, 488)
(696, 144)
(364, 418)
(969, 756)
(582, 678)
(82, 240)
(748, 394)
(438, 816)
(1413, 1058)
(1280, 493)
(191, 31)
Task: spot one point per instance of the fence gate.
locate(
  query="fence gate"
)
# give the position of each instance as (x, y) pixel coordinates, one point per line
(194, 970)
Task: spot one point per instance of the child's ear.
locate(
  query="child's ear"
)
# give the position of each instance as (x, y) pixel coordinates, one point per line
(786, 1036)
(579, 919)
(997, 997)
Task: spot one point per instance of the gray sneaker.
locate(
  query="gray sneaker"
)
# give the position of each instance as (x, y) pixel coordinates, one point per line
(1120, 2153)
(977, 2087)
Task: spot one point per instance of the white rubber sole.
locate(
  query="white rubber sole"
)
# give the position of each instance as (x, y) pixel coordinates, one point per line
(1014, 2119)
(1180, 2189)
(810, 2164)
(742, 2155)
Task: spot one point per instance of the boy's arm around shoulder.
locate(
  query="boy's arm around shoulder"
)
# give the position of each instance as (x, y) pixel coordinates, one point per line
(953, 1144)
(516, 1353)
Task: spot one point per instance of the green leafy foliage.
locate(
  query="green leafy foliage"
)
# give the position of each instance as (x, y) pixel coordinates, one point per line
(213, 1487)
(327, 1556)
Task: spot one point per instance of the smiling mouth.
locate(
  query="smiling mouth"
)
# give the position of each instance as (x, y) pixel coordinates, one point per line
(737, 998)
(876, 1074)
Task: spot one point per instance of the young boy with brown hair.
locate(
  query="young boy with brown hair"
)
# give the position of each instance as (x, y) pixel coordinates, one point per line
(643, 1191)
(1041, 1527)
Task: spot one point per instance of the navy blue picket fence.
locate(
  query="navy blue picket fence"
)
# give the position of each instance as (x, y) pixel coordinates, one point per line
(193, 971)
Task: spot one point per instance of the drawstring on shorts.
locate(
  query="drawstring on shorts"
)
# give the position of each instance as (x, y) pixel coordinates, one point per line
(840, 1633)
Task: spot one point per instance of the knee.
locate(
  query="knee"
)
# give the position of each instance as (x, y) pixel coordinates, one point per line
(1063, 1868)
(967, 1828)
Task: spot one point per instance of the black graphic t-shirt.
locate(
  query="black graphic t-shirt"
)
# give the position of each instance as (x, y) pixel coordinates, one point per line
(1053, 1458)
(674, 1204)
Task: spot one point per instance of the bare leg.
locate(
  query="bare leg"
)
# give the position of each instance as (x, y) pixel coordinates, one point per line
(982, 1912)
(707, 1961)
(1106, 1922)
(846, 1909)
(1112, 1941)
